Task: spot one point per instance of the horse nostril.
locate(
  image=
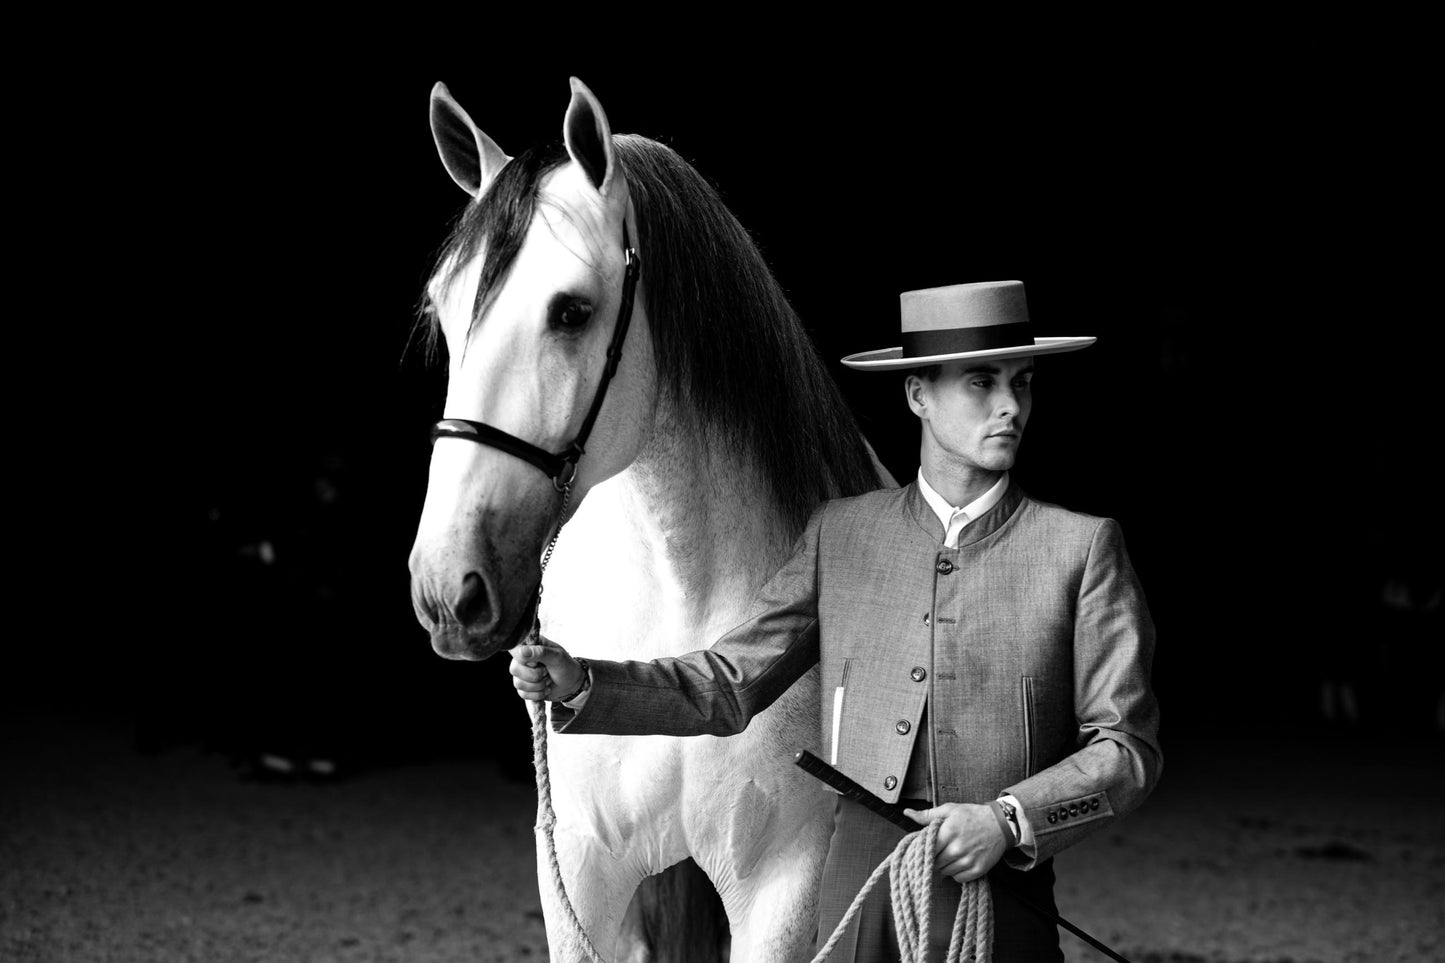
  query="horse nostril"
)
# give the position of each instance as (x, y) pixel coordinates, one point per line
(472, 605)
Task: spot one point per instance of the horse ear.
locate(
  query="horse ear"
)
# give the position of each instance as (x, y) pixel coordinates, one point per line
(589, 138)
(470, 156)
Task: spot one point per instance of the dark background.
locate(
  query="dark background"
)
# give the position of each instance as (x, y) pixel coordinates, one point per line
(243, 233)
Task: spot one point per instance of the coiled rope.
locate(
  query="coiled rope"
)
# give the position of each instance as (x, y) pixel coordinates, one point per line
(910, 877)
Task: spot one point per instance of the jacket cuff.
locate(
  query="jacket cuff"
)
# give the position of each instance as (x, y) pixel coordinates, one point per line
(1056, 824)
(579, 714)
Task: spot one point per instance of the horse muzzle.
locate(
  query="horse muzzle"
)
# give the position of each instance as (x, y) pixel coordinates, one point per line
(476, 562)
(469, 620)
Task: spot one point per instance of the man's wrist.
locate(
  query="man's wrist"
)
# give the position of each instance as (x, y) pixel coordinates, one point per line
(582, 686)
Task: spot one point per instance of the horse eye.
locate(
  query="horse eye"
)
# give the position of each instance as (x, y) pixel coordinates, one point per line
(572, 314)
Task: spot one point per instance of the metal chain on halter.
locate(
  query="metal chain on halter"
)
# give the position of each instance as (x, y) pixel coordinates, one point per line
(547, 556)
(546, 816)
(910, 878)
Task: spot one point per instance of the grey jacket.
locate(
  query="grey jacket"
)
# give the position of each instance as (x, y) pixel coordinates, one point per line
(1030, 642)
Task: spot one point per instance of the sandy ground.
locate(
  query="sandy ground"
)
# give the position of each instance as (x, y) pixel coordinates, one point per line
(1282, 850)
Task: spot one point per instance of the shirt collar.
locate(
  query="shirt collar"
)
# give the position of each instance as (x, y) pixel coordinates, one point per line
(953, 519)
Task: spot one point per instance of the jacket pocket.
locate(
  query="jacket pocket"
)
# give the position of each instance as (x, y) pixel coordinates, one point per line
(838, 709)
(1030, 721)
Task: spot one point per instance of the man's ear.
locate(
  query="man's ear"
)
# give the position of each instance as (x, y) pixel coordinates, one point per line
(915, 389)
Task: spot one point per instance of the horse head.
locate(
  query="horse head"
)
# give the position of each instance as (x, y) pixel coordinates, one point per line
(526, 299)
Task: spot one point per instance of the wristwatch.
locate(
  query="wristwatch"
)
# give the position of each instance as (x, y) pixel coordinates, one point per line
(1011, 814)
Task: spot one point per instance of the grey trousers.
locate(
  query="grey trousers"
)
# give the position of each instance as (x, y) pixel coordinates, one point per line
(862, 840)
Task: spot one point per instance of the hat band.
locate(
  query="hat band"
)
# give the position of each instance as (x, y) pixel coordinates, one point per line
(925, 344)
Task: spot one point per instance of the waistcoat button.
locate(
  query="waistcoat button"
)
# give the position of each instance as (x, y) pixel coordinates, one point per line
(944, 566)
(903, 726)
(918, 674)
(890, 782)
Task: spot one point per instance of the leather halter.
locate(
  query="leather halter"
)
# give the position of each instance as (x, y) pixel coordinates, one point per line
(562, 463)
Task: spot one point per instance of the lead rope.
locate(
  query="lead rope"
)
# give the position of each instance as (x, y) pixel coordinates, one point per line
(910, 877)
(546, 816)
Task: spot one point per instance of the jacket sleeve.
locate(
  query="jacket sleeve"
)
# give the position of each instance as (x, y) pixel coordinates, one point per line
(714, 691)
(1119, 760)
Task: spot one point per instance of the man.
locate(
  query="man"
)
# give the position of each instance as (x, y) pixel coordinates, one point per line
(987, 665)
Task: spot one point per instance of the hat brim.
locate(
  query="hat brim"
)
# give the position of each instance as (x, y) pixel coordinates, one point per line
(891, 359)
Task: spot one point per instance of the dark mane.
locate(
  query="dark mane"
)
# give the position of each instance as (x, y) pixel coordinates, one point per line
(729, 347)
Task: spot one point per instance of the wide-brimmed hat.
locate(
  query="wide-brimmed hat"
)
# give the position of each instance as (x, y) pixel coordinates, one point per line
(963, 322)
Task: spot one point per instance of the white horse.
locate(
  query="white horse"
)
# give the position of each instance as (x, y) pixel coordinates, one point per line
(718, 435)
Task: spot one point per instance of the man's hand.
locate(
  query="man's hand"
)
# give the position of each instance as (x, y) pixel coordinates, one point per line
(970, 841)
(543, 672)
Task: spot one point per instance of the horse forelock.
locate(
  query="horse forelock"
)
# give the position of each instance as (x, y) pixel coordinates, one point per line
(731, 354)
(497, 223)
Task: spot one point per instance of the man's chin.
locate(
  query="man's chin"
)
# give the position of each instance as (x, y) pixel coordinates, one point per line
(999, 456)
(996, 463)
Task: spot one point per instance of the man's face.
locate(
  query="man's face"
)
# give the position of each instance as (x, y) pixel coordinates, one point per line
(974, 413)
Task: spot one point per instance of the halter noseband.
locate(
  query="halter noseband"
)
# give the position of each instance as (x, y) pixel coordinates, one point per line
(563, 463)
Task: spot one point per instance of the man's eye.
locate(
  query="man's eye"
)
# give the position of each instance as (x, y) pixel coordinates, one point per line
(983, 383)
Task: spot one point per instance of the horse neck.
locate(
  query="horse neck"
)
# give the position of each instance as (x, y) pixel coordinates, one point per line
(705, 514)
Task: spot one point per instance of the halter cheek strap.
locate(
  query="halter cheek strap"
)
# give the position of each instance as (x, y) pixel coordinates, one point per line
(561, 466)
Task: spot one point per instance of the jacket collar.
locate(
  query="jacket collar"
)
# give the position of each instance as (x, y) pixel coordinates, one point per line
(976, 531)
